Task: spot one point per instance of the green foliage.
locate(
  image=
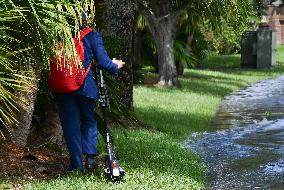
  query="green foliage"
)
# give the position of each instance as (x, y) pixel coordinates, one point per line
(5, 184)
(228, 40)
(257, 5)
(212, 24)
(10, 78)
(183, 54)
(141, 22)
(215, 14)
(148, 49)
(8, 82)
(200, 45)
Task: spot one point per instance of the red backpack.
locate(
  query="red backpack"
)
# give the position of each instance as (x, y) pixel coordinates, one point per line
(64, 78)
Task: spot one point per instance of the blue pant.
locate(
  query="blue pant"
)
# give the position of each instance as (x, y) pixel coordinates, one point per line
(79, 126)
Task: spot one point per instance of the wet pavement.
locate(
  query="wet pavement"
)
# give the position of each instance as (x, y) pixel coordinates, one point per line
(244, 148)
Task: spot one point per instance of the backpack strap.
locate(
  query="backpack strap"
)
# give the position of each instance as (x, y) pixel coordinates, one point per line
(84, 32)
(88, 69)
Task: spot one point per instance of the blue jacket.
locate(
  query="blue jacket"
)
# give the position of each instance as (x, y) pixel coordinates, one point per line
(94, 49)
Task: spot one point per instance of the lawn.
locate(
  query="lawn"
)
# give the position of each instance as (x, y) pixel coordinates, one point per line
(155, 157)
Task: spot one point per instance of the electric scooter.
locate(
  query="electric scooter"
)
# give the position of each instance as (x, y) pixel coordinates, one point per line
(112, 170)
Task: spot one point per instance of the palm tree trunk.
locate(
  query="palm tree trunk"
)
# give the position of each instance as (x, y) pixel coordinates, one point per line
(119, 18)
(51, 126)
(20, 130)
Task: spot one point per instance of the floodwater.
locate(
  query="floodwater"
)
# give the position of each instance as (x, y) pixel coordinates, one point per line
(244, 148)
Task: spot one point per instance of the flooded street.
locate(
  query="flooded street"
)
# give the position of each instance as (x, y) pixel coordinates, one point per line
(244, 148)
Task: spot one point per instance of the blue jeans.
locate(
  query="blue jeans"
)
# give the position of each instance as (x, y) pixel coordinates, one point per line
(79, 126)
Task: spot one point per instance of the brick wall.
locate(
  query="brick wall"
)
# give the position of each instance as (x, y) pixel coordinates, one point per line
(276, 22)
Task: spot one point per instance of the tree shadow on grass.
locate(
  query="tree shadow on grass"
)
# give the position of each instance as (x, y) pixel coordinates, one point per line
(206, 84)
(217, 84)
(201, 76)
(212, 85)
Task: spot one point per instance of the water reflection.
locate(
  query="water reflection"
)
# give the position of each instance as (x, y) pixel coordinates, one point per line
(245, 147)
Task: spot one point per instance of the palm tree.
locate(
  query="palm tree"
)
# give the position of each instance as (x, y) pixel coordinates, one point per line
(29, 30)
(162, 17)
(10, 79)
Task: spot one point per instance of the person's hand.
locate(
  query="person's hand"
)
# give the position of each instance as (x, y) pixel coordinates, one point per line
(119, 63)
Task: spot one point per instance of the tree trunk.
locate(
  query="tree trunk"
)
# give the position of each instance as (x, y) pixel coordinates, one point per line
(49, 129)
(166, 62)
(163, 31)
(20, 130)
(51, 125)
(162, 24)
(119, 19)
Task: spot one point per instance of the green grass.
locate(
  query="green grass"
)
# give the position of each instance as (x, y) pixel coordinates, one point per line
(177, 112)
(5, 184)
(222, 62)
(157, 159)
(152, 161)
(280, 55)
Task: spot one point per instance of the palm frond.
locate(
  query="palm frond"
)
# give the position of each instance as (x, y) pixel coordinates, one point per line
(183, 54)
(141, 22)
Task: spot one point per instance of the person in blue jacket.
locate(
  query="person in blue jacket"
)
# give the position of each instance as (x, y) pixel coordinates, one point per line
(76, 109)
